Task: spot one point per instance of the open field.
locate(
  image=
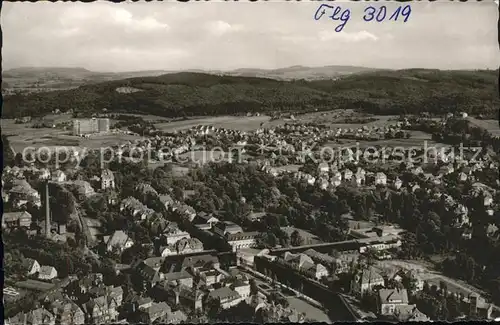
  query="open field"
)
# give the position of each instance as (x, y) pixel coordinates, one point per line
(425, 271)
(23, 135)
(389, 143)
(491, 125)
(313, 313)
(229, 122)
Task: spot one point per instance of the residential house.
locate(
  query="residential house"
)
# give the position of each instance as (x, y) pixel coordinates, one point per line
(31, 265)
(380, 179)
(360, 176)
(118, 241)
(149, 274)
(388, 299)
(366, 280)
(305, 264)
(336, 179)
(325, 259)
(242, 288)
(39, 316)
(107, 179)
(205, 218)
(488, 199)
(167, 200)
(323, 167)
(58, 176)
(67, 312)
(446, 169)
(191, 297)
(226, 296)
(225, 227)
(44, 174)
(210, 276)
(177, 278)
(200, 262)
(175, 317)
(156, 310)
(379, 243)
(16, 219)
(479, 307)
(242, 239)
(174, 235)
(409, 313)
(417, 171)
(348, 174)
(183, 246)
(47, 272)
(185, 210)
(101, 309)
(83, 286)
(188, 245)
(398, 183)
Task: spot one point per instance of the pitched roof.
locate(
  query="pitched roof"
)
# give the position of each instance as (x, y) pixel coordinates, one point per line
(107, 174)
(224, 293)
(118, 238)
(199, 261)
(188, 243)
(157, 309)
(228, 225)
(405, 313)
(371, 276)
(28, 263)
(40, 316)
(174, 276)
(242, 235)
(46, 270)
(176, 316)
(388, 296)
(13, 216)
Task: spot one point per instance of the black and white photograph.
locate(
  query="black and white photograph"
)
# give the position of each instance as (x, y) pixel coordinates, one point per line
(250, 162)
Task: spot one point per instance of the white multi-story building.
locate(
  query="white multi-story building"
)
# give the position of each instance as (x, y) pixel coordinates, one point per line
(89, 126)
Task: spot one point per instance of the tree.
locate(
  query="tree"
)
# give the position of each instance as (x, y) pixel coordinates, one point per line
(296, 239)
(443, 287)
(8, 153)
(409, 248)
(371, 256)
(213, 308)
(253, 287)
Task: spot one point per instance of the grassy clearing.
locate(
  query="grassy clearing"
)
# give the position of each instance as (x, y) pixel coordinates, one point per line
(227, 122)
(491, 125)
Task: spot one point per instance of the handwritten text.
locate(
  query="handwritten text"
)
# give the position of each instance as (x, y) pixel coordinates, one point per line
(371, 13)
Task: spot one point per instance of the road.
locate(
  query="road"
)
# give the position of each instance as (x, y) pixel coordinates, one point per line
(270, 281)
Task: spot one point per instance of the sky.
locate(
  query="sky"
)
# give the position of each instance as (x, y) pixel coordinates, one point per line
(104, 36)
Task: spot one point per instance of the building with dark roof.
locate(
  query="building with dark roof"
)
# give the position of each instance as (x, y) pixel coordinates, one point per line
(226, 296)
(16, 219)
(107, 179)
(226, 227)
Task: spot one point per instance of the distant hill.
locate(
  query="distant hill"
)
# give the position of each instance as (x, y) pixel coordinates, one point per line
(190, 94)
(300, 72)
(37, 79)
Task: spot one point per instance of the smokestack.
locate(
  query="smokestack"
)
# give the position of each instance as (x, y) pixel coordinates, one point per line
(47, 211)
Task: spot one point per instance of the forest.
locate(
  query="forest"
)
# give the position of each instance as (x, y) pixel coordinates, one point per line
(198, 94)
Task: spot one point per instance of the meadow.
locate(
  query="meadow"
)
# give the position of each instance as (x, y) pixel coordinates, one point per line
(491, 125)
(23, 135)
(241, 123)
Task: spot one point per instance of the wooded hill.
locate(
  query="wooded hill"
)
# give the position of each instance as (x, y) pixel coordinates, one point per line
(190, 94)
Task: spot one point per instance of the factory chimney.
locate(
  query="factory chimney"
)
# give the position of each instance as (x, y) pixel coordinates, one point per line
(47, 211)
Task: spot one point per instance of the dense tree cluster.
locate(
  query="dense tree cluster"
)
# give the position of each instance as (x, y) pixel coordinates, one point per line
(195, 94)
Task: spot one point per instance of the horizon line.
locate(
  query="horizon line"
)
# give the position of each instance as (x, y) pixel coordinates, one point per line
(236, 69)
